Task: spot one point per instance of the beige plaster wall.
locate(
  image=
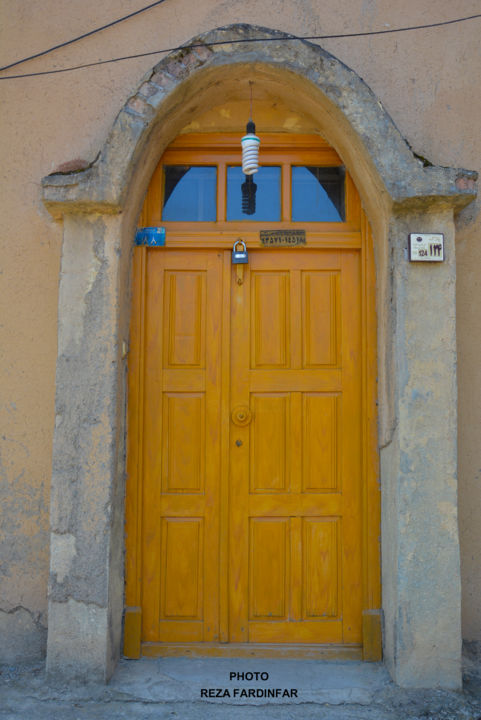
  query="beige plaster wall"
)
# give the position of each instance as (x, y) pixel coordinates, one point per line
(427, 80)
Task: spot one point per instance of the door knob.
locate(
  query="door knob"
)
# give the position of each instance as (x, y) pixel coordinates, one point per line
(241, 415)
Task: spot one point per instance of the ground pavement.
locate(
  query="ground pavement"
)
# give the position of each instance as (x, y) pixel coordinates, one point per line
(227, 689)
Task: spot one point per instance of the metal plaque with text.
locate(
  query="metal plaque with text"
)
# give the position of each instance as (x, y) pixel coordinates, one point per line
(283, 237)
(426, 247)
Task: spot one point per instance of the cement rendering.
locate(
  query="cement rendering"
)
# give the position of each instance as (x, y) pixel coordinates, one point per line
(172, 687)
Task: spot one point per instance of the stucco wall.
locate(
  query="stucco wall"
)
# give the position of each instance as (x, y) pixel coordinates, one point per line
(427, 80)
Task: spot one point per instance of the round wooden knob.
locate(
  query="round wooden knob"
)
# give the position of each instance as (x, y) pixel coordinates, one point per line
(241, 415)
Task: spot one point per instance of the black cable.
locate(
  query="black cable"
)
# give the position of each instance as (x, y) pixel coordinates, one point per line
(81, 37)
(244, 40)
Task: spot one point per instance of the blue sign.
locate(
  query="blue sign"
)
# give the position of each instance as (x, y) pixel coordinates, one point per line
(150, 236)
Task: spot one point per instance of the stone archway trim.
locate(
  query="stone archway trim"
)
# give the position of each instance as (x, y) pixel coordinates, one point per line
(104, 184)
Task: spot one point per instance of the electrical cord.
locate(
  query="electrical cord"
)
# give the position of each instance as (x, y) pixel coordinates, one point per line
(233, 42)
(81, 37)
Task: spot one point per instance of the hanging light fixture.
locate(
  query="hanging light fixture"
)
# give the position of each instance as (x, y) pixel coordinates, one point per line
(250, 164)
(250, 150)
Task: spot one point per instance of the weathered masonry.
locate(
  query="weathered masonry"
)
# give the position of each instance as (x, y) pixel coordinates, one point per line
(416, 387)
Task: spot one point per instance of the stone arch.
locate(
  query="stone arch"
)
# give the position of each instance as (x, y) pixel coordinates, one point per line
(357, 124)
(99, 206)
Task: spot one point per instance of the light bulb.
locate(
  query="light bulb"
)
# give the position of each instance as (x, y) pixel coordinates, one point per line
(250, 150)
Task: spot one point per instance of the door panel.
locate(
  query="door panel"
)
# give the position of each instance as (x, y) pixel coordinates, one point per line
(184, 319)
(320, 572)
(270, 307)
(270, 471)
(181, 450)
(295, 513)
(181, 564)
(183, 443)
(268, 568)
(320, 321)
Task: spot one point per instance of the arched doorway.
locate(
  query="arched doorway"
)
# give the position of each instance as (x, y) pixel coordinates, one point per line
(252, 416)
(416, 343)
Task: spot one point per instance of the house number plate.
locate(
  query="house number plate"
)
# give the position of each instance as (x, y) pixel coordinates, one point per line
(424, 247)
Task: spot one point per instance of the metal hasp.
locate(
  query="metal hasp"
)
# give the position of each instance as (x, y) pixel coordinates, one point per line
(150, 236)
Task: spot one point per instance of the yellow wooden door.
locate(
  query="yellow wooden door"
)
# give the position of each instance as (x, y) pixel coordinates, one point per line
(295, 489)
(181, 445)
(252, 499)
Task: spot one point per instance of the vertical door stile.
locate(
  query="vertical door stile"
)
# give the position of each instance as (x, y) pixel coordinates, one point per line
(351, 458)
(142, 262)
(366, 600)
(295, 443)
(239, 459)
(213, 394)
(151, 458)
(295, 519)
(224, 495)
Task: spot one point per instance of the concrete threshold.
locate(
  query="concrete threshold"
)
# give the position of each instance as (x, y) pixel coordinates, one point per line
(254, 681)
(180, 688)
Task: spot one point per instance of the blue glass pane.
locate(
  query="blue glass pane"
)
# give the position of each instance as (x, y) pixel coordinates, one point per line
(190, 193)
(267, 197)
(318, 194)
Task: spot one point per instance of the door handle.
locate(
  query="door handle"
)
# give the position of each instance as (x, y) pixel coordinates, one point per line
(241, 415)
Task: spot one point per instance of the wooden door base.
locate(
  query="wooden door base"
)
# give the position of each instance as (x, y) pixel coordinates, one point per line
(248, 650)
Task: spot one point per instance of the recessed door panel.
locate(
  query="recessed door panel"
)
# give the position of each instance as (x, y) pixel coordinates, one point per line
(321, 567)
(183, 441)
(269, 329)
(320, 441)
(269, 448)
(268, 568)
(184, 319)
(181, 568)
(320, 318)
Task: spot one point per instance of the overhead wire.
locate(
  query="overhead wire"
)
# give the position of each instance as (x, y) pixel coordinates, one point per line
(81, 37)
(227, 41)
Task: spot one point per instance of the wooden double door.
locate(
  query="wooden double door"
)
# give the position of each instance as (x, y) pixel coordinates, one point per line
(250, 444)
(252, 510)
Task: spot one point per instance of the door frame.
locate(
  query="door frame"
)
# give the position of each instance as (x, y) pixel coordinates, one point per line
(222, 149)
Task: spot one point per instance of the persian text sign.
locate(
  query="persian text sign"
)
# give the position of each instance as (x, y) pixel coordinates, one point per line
(426, 247)
(283, 237)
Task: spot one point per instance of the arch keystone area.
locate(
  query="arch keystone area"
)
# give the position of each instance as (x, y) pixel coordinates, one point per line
(100, 204)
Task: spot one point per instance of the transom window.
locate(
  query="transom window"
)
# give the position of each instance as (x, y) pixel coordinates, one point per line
(300, 180)
(190, 194)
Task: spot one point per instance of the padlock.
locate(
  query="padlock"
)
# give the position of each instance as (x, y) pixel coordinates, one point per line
(239, 257)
